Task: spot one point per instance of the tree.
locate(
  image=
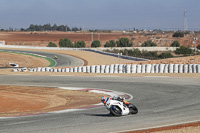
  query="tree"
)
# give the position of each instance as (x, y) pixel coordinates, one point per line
(124, 42)
(165, 55)
(54, 27)
(62, 43)
(75, 29)
(135, 53)
(198, 47)
(96, 43)
(149, 44)
(79, 44)
(149, 54)
(183, 50)
(175, 44)
(110, 43)
(65, 43)
(178, 34)
(51, 44)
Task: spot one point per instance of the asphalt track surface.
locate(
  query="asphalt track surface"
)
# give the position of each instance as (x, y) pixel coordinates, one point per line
(62, 61)
(161, 101)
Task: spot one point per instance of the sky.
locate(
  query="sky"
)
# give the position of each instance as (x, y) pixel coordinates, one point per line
(101, 14)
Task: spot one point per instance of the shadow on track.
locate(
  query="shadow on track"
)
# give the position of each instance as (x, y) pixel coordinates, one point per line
(101, 115)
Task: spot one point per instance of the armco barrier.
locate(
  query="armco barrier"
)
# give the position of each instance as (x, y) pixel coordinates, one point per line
(122, 68)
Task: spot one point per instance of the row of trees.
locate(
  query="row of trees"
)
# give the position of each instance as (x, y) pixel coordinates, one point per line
(48, 27)
(122, 42)
(143, 54)
(67, 43)
(125, 42)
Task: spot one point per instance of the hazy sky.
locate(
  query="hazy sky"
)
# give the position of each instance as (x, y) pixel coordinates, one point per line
(106, 14)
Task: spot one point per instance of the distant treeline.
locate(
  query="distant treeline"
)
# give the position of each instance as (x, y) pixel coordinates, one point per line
(49, 27)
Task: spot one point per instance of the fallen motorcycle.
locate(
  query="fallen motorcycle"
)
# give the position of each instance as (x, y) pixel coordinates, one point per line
(118, 108)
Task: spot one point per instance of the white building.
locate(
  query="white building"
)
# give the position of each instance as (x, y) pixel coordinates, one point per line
(2, 42)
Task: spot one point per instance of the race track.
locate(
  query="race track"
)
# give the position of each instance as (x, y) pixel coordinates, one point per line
(160, 100)
(62, 61)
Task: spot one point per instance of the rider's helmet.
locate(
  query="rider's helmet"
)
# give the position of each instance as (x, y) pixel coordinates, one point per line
(103, 99)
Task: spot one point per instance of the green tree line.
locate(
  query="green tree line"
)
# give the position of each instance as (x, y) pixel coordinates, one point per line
(49, 27)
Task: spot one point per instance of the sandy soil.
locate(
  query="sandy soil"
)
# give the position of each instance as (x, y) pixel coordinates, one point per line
(24, 100)
(22, 60)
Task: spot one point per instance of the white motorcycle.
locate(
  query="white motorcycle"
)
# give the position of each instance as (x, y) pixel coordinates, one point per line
(118, 108)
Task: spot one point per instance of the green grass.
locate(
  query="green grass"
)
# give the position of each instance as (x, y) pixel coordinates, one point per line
(52, 62)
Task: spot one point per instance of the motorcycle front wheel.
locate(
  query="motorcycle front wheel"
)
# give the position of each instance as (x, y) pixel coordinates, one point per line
(115, 110)
(133, 109)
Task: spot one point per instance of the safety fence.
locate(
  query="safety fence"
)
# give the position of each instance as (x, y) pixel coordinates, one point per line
(122, 68)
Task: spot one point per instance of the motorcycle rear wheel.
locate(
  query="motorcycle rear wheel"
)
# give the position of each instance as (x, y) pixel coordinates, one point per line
(115, 110)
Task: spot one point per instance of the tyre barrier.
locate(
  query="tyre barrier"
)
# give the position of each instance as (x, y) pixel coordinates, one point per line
(121, 68)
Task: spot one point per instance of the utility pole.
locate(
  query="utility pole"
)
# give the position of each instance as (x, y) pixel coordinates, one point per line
(194, 42)
(92, 36)
(122, 27)
(185, 21)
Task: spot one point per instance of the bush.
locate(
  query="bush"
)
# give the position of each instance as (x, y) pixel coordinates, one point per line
(51, 44)
(183, 50)
(198, 47)
(124, 42)
(150, 54)
(149, 44)
(79, 44)
(65, 43)
(96, 43)
(165, 55)
(136, 52)
(178, 34)
(110, 43)
(175, 44)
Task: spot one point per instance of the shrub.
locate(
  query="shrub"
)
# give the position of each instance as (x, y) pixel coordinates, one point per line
(65, 43)
(96, 43)
(110, 43)
(149, 44)
(183, 50)
(135, 52)
(165, 55)
(51, 44)
(150, 54)
(175, 44)
(178, 34)
(124, 42)
(79, 44)
(198, 47)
